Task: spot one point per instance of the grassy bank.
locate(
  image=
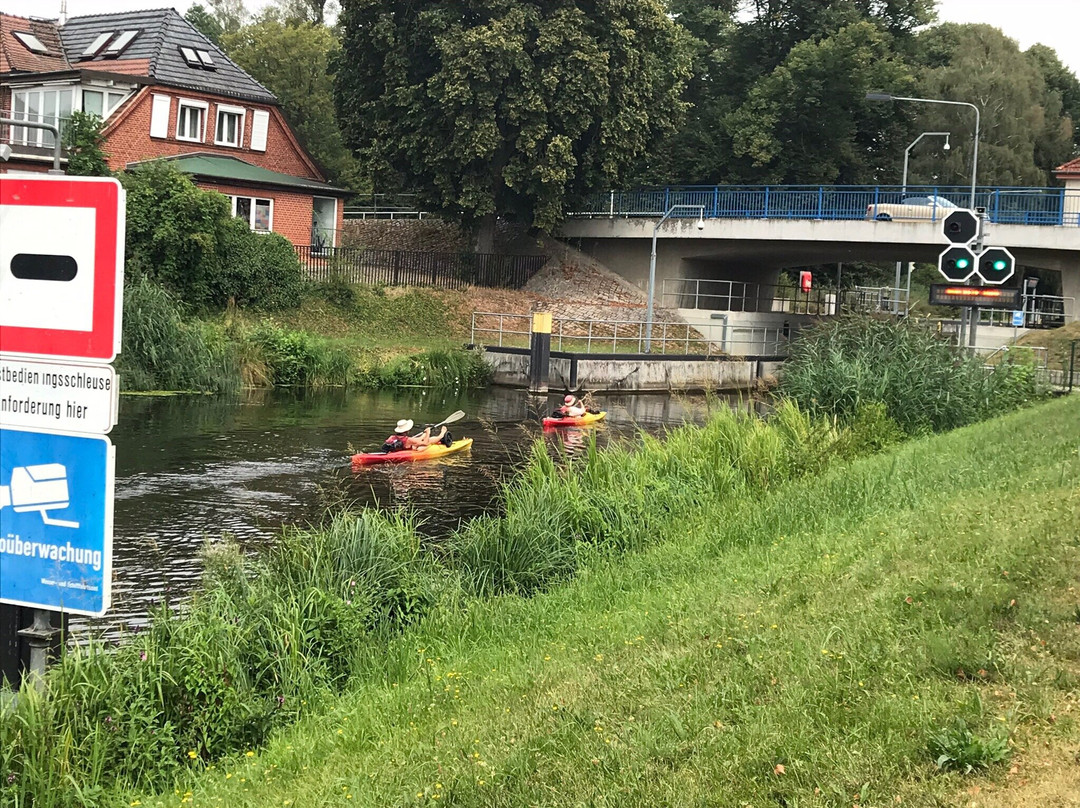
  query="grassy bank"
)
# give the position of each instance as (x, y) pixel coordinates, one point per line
(816, 645)
(334, 335)
(774, 604)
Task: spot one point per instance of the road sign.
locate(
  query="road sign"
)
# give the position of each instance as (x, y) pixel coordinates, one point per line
(996, 265)
(56, 512)
(1018, 319)
(58, 397)
(960, 227)
(985, 297)
(61, 266)
(957, 264)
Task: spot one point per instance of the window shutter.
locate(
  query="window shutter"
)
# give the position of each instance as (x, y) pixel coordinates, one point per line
(260, 123)
(159, 116)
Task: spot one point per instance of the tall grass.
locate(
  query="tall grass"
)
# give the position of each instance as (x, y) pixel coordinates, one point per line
(924, 383)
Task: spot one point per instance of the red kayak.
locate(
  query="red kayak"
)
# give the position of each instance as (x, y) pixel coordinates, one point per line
(581, 420)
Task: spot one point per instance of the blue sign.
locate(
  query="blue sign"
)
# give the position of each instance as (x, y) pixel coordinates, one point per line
(56, 510)
(1018, 319)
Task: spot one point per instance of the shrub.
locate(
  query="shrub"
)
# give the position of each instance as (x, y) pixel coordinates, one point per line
(161, 351)
(296, 358)
(260, 270)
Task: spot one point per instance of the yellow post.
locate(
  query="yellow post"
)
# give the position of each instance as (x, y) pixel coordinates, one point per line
(540, 352)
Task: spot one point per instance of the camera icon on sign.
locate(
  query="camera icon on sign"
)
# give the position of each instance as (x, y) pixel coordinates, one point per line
(40, 488)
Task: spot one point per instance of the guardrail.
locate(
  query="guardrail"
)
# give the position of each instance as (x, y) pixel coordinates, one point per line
(415, 268)
(626, 336)
(1027, 206)
(1040, 311)
(744, 296)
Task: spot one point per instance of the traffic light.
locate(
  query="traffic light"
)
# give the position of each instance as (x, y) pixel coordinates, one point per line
(961, 227)
(996, 265)
(957, 264)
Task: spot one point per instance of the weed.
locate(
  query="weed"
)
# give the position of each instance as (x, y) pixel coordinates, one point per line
(957, 748)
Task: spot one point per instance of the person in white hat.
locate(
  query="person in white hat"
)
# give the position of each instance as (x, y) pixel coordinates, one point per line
(572, 407)
(402, 440)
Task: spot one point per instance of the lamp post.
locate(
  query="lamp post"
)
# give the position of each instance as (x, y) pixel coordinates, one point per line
(652, 265)
(974, 175)
(903, 192)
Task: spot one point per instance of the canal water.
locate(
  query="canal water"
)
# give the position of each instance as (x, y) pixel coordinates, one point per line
(192, 469)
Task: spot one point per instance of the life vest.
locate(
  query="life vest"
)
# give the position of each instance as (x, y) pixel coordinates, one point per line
(395, 443)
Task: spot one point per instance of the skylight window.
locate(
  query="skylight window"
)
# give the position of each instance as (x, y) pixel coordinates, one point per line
(121, 42)
(190, 56)
(94, 47)
(207, 62)
(30, 42)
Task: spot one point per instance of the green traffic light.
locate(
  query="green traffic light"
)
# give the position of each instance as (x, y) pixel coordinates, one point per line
(1000, 264)
(962, 263)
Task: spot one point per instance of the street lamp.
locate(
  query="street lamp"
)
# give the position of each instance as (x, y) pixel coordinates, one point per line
(903, 192)
(652, 265)
(975, 155)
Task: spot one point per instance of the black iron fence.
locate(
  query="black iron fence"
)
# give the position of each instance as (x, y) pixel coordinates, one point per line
(415, 268)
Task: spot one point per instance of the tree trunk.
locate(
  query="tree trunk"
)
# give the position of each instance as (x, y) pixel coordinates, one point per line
(485, 234)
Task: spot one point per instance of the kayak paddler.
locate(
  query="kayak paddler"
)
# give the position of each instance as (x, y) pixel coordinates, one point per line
(401, 440)
(572, 407)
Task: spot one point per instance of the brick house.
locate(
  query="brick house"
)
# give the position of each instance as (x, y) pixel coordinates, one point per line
(1069, 174)
(164, 91)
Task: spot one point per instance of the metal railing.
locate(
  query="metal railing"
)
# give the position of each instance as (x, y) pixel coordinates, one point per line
(417, 268)
(744, 296)
(573, 335)
(1007, 205)
(13, 134)
(1039, 311)
(386, 206)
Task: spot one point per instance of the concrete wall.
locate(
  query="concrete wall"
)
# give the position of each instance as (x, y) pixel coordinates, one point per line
(636, 374)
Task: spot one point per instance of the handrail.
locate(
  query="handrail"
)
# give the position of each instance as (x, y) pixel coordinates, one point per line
(48, 128)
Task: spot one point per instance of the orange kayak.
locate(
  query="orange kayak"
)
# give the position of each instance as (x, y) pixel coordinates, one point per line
(582, 420)
(408, 455)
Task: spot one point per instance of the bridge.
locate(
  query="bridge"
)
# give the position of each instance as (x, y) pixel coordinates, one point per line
(748, 234)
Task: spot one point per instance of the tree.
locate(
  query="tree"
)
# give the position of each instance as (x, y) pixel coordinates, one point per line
(319, 12)
(293, 62)
(229, 14)
(83, 141)
(1024, 132)
(1061, 82)
(807, 121)
(509, 107)
(205, 22)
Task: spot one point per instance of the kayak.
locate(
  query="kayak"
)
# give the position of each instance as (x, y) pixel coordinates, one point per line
(427, 453)
(583, 420)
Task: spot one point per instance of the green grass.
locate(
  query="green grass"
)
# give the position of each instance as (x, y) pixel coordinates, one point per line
(833, 636)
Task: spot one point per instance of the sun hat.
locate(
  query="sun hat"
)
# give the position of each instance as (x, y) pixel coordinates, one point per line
(404, 425)
(568, 400)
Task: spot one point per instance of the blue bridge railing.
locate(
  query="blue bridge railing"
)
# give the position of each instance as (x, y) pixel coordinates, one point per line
(1030, 206)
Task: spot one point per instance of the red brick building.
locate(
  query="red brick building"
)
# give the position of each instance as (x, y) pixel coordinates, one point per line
(164, 91)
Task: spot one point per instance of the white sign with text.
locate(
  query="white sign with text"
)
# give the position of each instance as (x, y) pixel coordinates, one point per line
(58, 396)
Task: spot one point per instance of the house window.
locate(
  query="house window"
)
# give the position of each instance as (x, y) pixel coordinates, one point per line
(101, 102)
(230, 126)
(191, 121)
(51, 105)
(258, 213)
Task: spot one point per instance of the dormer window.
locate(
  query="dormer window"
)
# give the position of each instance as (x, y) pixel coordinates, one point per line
(190, 56)
(120, 43)
(30, 42)
(95, 47)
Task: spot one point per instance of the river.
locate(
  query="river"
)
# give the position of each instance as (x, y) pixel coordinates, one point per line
(191, 469)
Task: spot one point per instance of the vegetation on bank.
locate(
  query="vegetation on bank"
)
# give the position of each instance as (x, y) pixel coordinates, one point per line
(337, 609)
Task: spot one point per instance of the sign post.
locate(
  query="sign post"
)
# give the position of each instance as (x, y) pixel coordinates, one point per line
(60, 323)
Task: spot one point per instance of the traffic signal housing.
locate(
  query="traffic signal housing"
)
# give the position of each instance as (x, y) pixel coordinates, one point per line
(960, 227)
(957, 264)
(996, 265)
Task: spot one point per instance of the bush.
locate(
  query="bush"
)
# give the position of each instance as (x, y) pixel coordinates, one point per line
(296, 358)
(163, 352)
(260, 270)
(924, 383)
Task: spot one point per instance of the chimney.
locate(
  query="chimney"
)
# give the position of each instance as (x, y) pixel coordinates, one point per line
(63, 12)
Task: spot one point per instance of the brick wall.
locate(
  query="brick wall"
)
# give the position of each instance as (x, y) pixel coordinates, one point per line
(128, 135)
(291, 212)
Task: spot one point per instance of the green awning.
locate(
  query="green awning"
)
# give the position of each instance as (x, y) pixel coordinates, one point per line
(223, 168)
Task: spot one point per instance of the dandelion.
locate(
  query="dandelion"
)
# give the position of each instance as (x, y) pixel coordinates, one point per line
(249, 753)
(192, 754)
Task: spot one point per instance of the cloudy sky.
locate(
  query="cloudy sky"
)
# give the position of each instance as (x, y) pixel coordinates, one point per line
(1028, 22)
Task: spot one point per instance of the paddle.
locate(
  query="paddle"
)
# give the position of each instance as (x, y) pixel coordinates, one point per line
(450, 419)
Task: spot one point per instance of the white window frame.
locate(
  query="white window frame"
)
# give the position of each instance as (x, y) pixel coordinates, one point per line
(251, 216)
(333, 228)
(105, 91)
(39, 137)
(191, 103)
(238, 111)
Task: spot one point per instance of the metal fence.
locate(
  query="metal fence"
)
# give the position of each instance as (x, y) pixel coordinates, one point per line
(1038, 311)
(743, 296)
(415, 268)
(627, 336)
(1031, 206)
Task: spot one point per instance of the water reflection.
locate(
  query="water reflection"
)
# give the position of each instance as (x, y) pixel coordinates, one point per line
(192, 468)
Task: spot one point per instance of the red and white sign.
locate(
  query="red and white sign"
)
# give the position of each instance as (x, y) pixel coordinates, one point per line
(61, 266)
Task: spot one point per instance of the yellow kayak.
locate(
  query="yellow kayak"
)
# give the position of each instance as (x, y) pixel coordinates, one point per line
(581, 420)
(408, 455)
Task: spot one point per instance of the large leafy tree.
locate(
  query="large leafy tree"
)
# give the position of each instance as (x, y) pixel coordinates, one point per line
(206, 22)
(514, 107)
(1025, 132)
(293, 61)
(1060, 82)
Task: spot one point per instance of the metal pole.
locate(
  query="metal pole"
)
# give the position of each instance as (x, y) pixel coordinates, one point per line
(1072, 363)
(903, 192)
(652, 267)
